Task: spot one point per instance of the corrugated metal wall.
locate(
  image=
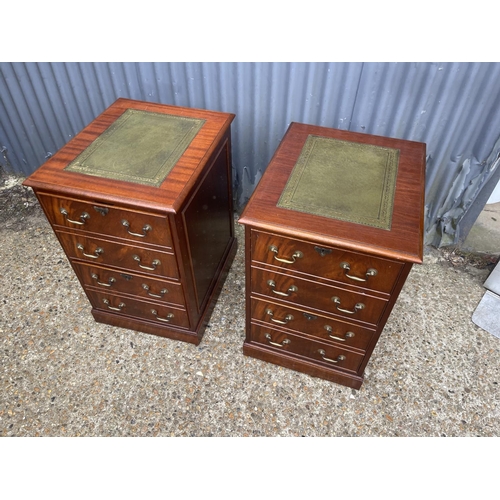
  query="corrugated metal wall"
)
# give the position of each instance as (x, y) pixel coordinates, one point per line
(453, 107)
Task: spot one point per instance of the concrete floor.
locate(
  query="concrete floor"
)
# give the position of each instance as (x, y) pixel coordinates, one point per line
(484, 236)
(433, 372)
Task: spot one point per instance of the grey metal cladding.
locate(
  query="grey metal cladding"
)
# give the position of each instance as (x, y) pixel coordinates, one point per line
(454, 107)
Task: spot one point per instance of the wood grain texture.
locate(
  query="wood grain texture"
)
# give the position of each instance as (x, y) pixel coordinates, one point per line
(289, 344)
(313, 302)
(318, 296)
(101, 218)
(134, 284)
(404, 241)
(325, 262)
(169, 196)
(302, 364)
(146, 248)
(311, 323)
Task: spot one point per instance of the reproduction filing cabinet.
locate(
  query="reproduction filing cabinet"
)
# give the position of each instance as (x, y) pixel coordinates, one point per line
(141, 202)
(331, 233)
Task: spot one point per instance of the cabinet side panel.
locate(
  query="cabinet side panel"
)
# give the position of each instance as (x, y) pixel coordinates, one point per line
(209, 224)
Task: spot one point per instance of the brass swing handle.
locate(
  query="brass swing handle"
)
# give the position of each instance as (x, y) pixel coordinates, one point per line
(158, 296)
(291, 290)
(81, 222)
(322, 353)
(154, 264)
(288, 318)
(357, 307)
(347, 267)
(283, 344)
(121, 305)
(97, 252)
(348, 335)
(109, 283)
(159, 318)
(296, 255)
(145, 229)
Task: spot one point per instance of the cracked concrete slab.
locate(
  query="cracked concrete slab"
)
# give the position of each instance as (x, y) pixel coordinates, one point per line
(433, 373)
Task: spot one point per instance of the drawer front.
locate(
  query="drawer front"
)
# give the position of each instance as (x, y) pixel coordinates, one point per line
(107, 220)
(334, 300)
(324, 354)
(133, 284)
(323, 328)
(326, 262)
(99, 251)
(156, 313)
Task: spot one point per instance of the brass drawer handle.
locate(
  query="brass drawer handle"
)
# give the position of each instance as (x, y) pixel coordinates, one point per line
(346, 266)
(159, 318)
(155, 263)
(288, 318)
(322, 353)
(97, 252)
(109, 283)
(296, 255)
(121, 305)
(160, 296)
(283, 344)
(348, 335)
(357, 307)
(81, 222)
(145, 229)
(292, 289)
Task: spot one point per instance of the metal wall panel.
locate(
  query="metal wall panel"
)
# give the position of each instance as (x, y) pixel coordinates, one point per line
(453, 107)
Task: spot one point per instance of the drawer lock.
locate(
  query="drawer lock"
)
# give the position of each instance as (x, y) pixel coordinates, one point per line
(323, 251)
(101, 210)
(310, 317)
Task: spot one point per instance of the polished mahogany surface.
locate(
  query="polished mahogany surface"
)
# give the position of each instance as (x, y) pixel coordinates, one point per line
(170, 195)
(319, 289)
(150, 258)
(402, 242)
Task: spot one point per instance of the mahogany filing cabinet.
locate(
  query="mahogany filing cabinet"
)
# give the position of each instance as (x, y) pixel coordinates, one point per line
(141, 202)
(331, 233)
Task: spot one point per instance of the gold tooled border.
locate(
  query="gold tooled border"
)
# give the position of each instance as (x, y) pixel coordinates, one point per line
(78, 164)
(384, 218)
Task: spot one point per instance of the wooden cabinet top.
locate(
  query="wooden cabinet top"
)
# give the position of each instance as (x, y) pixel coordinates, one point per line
(347, 189)
(136, 153)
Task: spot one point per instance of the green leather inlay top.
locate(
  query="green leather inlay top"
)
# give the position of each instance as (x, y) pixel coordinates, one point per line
(343, 180)
(140, 147)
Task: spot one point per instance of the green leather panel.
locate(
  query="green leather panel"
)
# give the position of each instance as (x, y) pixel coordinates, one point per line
(343, 180)
(140, 147)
